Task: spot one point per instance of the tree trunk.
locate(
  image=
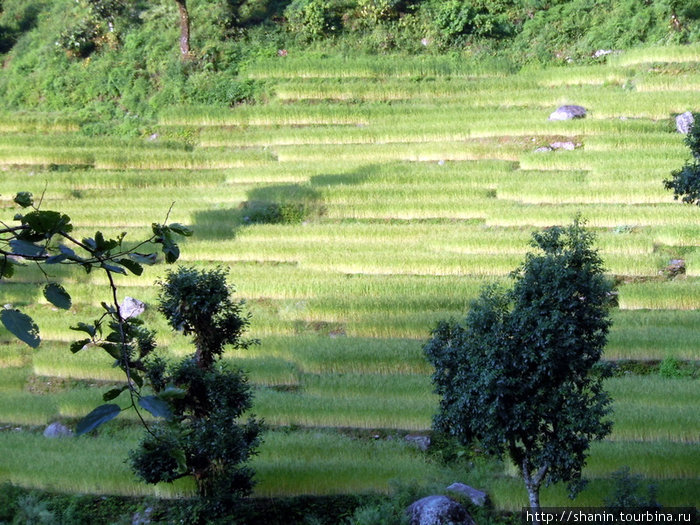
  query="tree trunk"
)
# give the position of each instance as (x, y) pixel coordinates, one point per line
(533, 483)
(184, 30)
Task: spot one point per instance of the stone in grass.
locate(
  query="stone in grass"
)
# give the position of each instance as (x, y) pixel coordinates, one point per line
(57, 430)
(568, 146)
(675, 268)
(602, 53)
(543, 149)
(142, 518)
(422, 442)
(684, 122)
(568, 113)
(438, 510)
(477, 497)
(131, 307)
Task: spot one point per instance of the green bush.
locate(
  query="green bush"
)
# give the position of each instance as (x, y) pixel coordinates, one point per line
(628, 491)
(312, 19)
(672, 368)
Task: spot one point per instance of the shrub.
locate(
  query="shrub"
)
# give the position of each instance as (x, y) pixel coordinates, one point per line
(201, 399)
(312, 19)
(671, 368)
(628, 492)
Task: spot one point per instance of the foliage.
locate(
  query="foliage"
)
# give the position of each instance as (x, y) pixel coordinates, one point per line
(627, 492)
(312, 19)
(385, 513)
(672, 368)
(685, 182)
(456, 19)
(114, 64)
(516, 374)
(44, 238)
(203, 399)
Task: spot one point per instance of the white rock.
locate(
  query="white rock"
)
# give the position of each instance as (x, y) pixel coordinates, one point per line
(568, 112)
(57, 430)
(684, 122)
(131, 307)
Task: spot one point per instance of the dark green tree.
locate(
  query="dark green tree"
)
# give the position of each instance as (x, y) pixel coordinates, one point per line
(685, 182)
(202, 400)
(519, 374)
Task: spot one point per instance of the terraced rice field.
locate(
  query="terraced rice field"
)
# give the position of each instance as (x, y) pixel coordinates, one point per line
(421, 184)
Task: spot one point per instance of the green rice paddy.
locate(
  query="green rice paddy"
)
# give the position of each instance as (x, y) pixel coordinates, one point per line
(422, 184)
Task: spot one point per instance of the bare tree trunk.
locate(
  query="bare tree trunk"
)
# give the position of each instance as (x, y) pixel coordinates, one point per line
(184, 30)
(533, 483)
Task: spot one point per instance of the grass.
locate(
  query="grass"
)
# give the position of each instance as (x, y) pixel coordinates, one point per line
(426, 186)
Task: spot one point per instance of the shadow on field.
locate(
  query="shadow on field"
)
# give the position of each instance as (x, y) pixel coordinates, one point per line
(276, 204)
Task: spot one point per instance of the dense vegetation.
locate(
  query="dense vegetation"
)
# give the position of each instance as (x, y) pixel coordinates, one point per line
(116, 64)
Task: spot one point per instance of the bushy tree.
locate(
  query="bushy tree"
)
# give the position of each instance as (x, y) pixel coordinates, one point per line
(201, 400)
(517, 375)
(685, 182)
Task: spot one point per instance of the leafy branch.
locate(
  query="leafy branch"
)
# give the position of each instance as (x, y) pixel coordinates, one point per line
(44, 238)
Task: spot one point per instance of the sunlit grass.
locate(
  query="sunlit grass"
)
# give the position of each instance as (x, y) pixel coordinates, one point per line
(429, 187)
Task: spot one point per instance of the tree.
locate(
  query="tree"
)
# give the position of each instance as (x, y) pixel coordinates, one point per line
(185, 52)
(44, 238)
(519, 374)
(685, 182)
(201, 436)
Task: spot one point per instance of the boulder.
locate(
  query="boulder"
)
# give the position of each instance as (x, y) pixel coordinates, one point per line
(568, 113)
(602, 53)
(438, 510)
(422, 442)
(543, 149)
(57, 430)
(131, 307)
(476, 496)
(684, 122)
(675, 268)
(142, 518)
(569, 146)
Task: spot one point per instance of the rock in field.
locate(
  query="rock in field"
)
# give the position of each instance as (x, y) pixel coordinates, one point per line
(422, 442)
(438, 510)
(477, 497)
(684, 122)
(131, 307)
(568, 113)
(57, 430)
(568, 146)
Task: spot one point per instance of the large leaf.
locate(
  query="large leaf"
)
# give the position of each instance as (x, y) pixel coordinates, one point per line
(91, 330)
(104, 245)
(131, 265)
(68, 252)
(77, 346)
(180, 229)
(113, 268)
(155, 406)
(149, 258)
(55, 259)
(57, 296)
(114, 393)
(21, 326)
(47, 222)
(171, 251)
(97, 417)
(24, 199)
(26, 249)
